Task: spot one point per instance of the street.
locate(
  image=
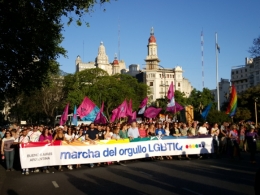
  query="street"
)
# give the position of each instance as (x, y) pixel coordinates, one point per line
(206, 176)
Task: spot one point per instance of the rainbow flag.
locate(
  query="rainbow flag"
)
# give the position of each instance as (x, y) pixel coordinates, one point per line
(232, 107)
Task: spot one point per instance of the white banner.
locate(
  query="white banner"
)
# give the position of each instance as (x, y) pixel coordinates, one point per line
(69, 154)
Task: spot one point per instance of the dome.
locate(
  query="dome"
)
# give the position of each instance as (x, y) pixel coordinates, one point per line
(115, 62)
(152, 39)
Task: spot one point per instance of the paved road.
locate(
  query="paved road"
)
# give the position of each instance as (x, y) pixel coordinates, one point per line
(195, 177)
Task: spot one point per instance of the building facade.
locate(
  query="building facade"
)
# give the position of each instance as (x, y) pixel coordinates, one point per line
(101, 61)
(224, 90)
(159, 78)
(246, 76)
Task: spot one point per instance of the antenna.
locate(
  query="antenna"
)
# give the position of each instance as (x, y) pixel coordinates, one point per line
(83, 51)
(202, 58)
(118, 39)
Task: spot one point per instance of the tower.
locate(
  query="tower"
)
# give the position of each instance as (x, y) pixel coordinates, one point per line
(102, 59)
(115, 64)
(152, 59)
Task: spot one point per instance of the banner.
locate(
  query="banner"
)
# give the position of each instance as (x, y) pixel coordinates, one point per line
(39, 154)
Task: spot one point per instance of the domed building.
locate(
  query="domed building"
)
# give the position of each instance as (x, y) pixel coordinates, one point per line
(101, 61)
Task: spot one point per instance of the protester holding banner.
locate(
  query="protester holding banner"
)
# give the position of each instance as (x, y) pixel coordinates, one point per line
(7, 151)
(108, 133)
(151, 130)
(24, 138)
(142, 131)
(133, 131)
(69, 137)
(59, 136)
(123, 131)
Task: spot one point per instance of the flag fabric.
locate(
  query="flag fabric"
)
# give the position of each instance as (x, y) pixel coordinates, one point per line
(64, 116)
(122, 110)
(152, 112)
(74, 117)
(129, 108)
(132, 118)
(205, 112)
(176, 108)
(232, 106)
(170, 96)
(144, 102)
(114, 115)
(218, 48)
(87, 110)
(141, 111)
(143, 105)
(100, 119)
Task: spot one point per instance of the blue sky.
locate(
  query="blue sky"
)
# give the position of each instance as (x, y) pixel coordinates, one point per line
(177, 27)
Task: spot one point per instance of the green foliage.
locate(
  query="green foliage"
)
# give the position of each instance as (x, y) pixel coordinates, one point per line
(99, 87)
(219, 117)
(255, 49)
(30, 37)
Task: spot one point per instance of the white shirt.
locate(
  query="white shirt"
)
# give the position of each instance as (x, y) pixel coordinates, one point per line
(69, 137)
(23, 139)
(80, 137)
(203, 131)
(133, 132)
(34, 136)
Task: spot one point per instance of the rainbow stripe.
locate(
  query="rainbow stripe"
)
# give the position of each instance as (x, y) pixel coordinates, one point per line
(232, 107)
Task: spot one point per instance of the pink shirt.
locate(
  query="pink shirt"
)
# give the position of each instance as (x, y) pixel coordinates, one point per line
(142, 132)
(42, 138)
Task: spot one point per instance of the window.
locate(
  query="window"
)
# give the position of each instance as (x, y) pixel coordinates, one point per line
(179, 84)
(151, 83)
(245, 70)
(166, 82)
(232, 72)
(167, 75)
(161, 89)
(161, 82)
(236, 72)
(160, 75)
(257, 72)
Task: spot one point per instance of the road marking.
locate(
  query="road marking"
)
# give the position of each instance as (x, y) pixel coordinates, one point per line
(123, 165)
(191, 191)
(55, 184)
(145, 173)
(220, 168)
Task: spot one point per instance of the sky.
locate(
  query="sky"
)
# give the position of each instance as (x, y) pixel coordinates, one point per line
(177, 28)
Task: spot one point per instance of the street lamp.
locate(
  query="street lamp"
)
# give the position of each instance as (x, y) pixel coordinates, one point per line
(256, 100)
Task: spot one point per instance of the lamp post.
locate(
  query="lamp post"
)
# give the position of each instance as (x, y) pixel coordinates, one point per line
(256, 100)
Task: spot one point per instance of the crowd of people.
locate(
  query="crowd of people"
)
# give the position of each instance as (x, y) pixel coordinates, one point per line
(228, 139)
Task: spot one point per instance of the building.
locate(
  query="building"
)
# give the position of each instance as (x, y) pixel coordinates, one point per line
(101, 61)
(159, 78)
(224, 90)
(246, 76)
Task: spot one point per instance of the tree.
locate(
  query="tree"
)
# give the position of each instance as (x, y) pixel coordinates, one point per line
(255, 49)
(30, 37)
(216, 116)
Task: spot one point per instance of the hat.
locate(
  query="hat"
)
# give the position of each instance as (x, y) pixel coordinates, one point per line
(61, 127)
(252, 127)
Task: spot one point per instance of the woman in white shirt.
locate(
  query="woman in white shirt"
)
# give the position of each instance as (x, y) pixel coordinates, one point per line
(69, 137)
(108, 133)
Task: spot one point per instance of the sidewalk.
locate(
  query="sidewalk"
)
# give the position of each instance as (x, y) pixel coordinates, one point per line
(2, 175)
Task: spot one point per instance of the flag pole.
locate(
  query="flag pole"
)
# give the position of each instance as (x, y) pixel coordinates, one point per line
(216, 48)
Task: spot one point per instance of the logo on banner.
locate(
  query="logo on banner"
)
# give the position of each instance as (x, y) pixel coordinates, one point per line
(195, 146)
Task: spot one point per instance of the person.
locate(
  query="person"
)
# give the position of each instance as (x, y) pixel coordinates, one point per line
(175, 131)
(23, 138)
(92, 136)
(160, 131)
(233, 135)
(203, 129)
(7, 150)
(242, 134)
(2, 133)
(34, 137)
(69, 137)
(142, 131)
(79, 137)
(184, 129)
(193, 129)
(45, 137)
(151, 130)
(101, 132)
(59, 135)
(167, 128)
(251, 138)
(123, 131)
(116, 135)
(108, 133)
(133, 131)
(215, 133)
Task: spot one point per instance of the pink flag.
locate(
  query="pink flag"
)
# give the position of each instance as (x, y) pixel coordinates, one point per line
(85, 108)
(170, 96)
(152, 112)
(114, 115)
(144, 102)
(129, 108)
(175, 108)
(100, 119)
(64, 116)
(132, 118)
(122, 110)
